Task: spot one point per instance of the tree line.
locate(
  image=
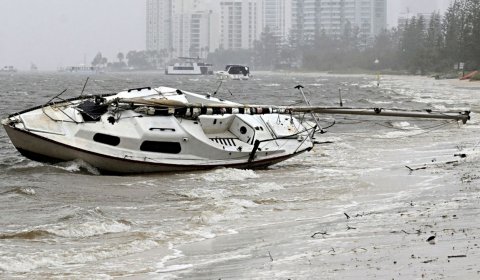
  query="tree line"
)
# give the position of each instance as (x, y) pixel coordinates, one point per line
(422, 45)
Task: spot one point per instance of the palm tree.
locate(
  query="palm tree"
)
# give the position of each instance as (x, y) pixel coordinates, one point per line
(120, 56)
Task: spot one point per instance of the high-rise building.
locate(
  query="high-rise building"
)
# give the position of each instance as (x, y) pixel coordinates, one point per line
(277, 17)
(240, 23)
(304, 19)
(182, 28)
(159, 20)
(195, 27)
(332, 16)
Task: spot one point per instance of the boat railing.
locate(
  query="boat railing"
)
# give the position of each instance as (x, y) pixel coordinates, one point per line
(62, 101)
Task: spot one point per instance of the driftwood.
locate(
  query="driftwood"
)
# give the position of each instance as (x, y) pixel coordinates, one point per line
(457, 256)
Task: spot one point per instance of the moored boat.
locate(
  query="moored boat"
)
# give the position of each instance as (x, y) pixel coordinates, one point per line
(234, 72)
(189, 66)
(9, 69)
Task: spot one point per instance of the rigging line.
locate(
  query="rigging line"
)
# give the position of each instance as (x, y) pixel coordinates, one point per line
(219, 85)
(386, 120)
(476, 145)
(397, 128)
(84, 86)
(358, 135)
(104, 88)
(424, 132)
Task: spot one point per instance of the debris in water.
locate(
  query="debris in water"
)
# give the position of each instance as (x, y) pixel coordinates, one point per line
(457, 256)
(413, 169)
(322, 233)
(431, 240)
(270, 255)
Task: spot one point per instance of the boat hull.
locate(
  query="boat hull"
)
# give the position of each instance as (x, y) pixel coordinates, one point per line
(42, 149)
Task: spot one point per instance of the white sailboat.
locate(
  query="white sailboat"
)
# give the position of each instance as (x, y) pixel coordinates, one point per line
(165, 129)
(155, 129)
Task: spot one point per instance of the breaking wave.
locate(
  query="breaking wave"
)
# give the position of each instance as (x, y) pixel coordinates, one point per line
(230, 174)
(28, 234)
(59, 258)
(20, 191)
(78, 166)
(82, 224)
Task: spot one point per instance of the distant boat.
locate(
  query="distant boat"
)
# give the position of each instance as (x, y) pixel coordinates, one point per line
(234, 72)
(9, 69)
(80, 69)
(33, 67)
(189, 66)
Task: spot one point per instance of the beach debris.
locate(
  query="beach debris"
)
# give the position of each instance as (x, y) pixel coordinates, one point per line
(417, 231)
(319, 232)
(270, 255)
(349, 227)
(346, 215)
(457, 256)
(413, 169)
(322, 142)
(429, 261)
(431, 240)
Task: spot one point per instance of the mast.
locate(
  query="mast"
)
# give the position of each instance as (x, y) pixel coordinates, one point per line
(191, 109)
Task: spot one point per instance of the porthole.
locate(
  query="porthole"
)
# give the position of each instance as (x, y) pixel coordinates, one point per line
(161, 147)
(243, 130)
(106, 139)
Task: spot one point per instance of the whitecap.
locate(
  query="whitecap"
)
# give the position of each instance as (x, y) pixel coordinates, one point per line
(78, 166)
(173, 268)
(229, 174)
(57, 258)
(403, 125)
(261, 188)
(400, 134)
(87, 229)
(207, 193)
(27, 191)
(271, 85)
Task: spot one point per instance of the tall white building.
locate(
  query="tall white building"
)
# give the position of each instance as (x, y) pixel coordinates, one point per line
(240, 23)
(331, 17)
(159, 19)
(195, 27)
(304, 19)
(277, 16)
(183, 28)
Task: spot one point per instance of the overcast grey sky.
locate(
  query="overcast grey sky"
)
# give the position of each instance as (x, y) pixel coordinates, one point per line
(56, 33)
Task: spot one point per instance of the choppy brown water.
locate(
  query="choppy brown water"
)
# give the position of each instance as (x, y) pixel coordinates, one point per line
(286, 222)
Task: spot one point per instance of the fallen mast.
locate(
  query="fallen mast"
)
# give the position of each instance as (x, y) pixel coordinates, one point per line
(192, 110)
